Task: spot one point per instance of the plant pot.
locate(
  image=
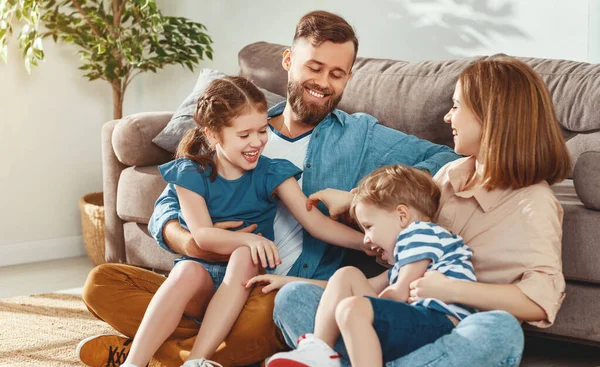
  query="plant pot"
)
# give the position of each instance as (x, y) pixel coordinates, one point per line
(92, 226)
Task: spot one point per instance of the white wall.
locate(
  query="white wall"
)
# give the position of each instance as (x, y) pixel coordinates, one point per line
(50, 121)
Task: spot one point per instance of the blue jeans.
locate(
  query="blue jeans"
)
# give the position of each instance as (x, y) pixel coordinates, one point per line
(493, 338)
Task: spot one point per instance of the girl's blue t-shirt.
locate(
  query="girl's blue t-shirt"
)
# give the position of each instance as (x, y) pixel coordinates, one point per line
(249, 198)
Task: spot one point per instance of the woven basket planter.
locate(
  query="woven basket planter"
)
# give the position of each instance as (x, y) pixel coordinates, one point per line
(92, 226)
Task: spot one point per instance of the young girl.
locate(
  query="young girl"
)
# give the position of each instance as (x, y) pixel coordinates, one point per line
(230, 183)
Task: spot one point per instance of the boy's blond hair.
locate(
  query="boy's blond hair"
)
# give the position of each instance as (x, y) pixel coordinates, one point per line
(390, 186)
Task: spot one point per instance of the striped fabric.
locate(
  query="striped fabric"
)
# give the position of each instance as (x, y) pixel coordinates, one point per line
(448, 255)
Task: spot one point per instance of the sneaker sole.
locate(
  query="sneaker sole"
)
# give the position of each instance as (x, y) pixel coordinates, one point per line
(286, 363)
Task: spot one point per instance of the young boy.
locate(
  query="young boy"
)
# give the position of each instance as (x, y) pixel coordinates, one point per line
(394, 205)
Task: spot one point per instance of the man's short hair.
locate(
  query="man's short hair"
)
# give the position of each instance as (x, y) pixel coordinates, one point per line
(390, 186)
(320, 26)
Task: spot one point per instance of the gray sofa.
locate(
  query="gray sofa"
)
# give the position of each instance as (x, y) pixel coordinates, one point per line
(409, 96)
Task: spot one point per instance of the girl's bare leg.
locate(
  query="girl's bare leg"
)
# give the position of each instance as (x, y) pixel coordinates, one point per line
(226, 304)
(188, 289)
(346, 282)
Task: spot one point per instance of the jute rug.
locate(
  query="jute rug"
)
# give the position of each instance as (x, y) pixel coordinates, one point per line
(44, 330)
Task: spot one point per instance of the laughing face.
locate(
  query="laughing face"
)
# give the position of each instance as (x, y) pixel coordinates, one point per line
(317, 77)
(466, 127)
(381, 227)
(238, 146)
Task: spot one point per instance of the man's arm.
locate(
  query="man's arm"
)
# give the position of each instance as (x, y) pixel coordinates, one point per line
(389, 146)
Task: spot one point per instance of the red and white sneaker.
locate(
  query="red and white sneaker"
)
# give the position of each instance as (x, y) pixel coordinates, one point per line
(311, 352)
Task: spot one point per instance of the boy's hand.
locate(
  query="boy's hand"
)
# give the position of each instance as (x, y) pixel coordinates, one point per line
(337, 201)
(394, 294)
(273, 282)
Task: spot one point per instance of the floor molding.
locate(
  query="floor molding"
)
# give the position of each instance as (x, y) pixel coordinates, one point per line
(52, 249)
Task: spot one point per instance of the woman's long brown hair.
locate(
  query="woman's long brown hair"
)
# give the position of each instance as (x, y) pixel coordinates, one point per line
(522, 143)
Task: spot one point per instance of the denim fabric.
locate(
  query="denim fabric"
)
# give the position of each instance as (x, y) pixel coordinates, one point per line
(215, 270)
(343, 149)
(493, 338)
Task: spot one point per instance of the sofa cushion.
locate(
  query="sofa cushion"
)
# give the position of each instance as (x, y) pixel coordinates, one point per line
(183, 118)
(132, 139)
(581, 248)
(138, 189)
(142, 250)
(587, 179)
(578, 317)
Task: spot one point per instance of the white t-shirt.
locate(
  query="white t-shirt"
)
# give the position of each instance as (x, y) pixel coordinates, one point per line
(288, 232)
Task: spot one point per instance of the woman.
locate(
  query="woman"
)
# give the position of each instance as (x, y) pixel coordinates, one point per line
(499, 200)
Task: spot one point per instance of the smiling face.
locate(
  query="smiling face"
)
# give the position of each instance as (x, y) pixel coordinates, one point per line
(466, 127)
(381, 227)
(238, 146)
(317, 76)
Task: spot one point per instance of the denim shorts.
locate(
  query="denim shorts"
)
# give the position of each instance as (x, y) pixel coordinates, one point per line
(216, 270)
(403, 328)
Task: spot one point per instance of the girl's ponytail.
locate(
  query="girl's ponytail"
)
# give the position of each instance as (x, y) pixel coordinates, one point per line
(195, 146)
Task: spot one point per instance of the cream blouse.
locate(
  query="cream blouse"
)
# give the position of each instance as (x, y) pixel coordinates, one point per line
(515, 235)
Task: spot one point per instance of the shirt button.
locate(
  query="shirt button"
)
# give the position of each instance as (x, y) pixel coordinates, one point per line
(308, 165)
(305, 266)
(316, 135)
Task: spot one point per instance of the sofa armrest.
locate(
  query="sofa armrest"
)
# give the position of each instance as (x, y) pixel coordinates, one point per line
(114, 243)
(132, 139)
(586, 178)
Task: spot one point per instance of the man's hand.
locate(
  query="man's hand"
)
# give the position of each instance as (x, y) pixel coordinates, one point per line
(337, 201)
(273, 282)
(390, 292)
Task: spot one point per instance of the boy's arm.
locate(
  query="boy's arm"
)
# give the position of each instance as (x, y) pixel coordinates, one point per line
(315, 222)
(380, 282)
(408, 273)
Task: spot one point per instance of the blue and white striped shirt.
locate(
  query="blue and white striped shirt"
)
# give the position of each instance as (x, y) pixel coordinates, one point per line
(448, 254)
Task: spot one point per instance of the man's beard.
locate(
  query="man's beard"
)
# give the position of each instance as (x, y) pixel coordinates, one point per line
(310, 113)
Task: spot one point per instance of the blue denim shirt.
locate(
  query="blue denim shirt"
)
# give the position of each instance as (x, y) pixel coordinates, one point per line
(343, 149)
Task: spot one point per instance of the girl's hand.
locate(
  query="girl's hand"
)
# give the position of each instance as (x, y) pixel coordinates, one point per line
(264, 250)
(337, 201)
(432, 285)
(395, 295)
(273, 282)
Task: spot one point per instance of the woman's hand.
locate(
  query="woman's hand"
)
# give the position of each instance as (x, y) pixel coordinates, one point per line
(337, 201)
(273, 282)
(264, 250)
(433, 285)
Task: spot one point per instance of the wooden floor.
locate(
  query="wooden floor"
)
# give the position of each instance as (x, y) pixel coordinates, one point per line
(68, 276)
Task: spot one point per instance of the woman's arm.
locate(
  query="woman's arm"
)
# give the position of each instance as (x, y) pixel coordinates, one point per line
(314, 221)
(219, 241)
(482, 296)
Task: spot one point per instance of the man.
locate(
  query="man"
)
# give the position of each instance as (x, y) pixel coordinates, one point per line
(333, 148)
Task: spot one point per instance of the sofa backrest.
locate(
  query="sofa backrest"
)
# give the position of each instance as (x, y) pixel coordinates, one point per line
(414, 96)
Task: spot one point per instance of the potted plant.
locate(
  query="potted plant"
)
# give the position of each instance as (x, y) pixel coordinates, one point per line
(117, 40)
